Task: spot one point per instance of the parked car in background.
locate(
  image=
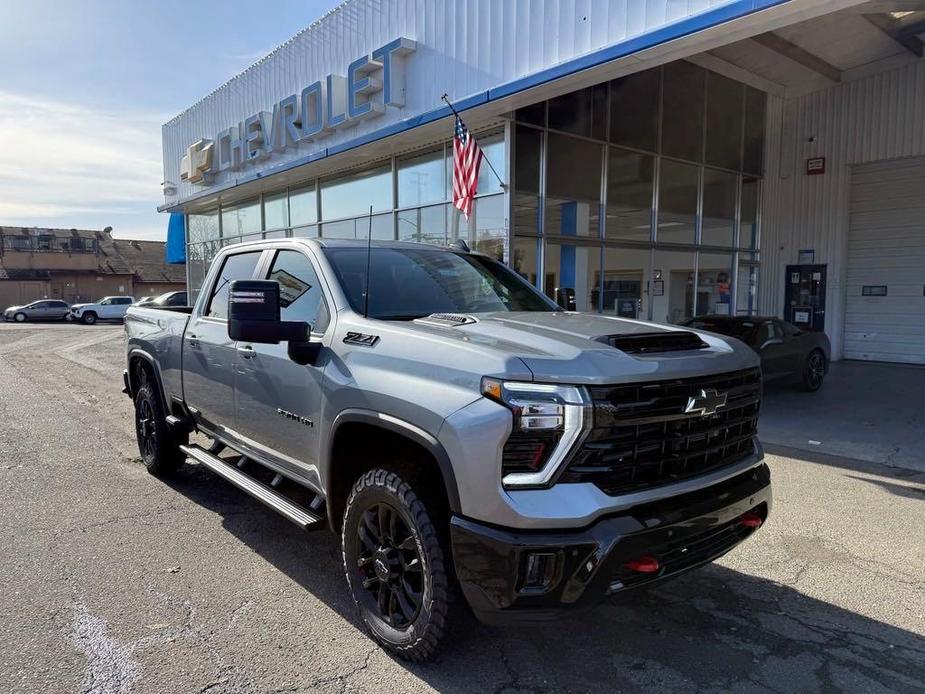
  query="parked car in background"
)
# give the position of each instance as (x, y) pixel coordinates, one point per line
(109, 308)
(45, 309)
(165, 299)
(787, 352)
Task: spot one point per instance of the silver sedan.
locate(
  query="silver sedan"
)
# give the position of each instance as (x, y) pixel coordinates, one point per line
(46, 309)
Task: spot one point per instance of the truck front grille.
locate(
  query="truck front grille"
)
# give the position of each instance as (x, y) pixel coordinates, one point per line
(643, 438)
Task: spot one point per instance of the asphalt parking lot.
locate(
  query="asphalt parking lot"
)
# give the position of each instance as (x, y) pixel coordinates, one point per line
(115, 582)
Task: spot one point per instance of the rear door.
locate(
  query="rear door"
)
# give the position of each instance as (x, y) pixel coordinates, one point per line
(278, 401)
(208, 352)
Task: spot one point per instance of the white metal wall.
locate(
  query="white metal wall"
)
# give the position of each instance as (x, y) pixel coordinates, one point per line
(464, 47)
(871, 119)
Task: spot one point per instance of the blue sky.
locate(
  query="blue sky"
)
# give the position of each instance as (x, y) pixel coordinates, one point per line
(86, 84)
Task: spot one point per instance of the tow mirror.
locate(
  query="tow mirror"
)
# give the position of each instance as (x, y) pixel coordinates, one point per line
(253, 315)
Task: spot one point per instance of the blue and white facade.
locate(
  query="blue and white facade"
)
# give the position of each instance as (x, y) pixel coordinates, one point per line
(639, 169)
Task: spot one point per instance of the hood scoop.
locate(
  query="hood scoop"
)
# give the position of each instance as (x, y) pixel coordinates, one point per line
(447, 320)
(654, 342)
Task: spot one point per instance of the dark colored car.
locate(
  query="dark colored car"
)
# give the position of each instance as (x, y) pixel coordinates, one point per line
(166, 299)
(787, 353)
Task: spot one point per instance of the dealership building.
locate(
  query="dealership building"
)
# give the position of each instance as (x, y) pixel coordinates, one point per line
(655, 159)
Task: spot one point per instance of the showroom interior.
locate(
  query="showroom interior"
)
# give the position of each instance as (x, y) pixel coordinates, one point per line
(770, 163)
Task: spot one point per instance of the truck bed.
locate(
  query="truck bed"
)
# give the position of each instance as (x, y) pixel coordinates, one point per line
(158, 333)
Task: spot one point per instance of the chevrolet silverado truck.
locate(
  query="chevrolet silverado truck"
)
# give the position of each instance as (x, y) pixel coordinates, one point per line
(469, 441)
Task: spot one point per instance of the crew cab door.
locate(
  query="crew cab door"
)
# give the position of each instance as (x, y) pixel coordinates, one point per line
(208, 352)
(279, 401)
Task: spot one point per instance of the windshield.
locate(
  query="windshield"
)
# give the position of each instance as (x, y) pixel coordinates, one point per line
(408, 283)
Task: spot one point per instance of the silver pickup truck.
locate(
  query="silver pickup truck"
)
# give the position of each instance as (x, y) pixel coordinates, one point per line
(460, 432)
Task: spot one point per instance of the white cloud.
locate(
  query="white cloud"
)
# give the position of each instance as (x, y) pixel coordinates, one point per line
(73, 166)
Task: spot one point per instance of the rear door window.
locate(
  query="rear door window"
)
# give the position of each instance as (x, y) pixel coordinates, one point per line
(239, 266)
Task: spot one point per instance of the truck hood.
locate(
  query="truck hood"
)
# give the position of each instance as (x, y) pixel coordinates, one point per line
(80, 305)
(564, 347)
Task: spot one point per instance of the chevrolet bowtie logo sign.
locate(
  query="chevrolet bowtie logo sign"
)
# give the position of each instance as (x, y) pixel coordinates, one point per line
(196, 164)
(707, 402)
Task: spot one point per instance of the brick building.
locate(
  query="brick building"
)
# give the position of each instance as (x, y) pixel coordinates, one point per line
(78, 265)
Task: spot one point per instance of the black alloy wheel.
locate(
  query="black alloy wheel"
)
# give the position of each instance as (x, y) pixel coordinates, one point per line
(390, 565)
(160, 450)
(394, 563)
(814, 372)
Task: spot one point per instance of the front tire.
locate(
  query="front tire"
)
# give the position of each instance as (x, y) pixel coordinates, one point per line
(20, 318)
(160, 451)
(88, 318)
(813, 371)
(395, 565)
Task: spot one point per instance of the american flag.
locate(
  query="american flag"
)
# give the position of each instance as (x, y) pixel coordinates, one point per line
(467, 158)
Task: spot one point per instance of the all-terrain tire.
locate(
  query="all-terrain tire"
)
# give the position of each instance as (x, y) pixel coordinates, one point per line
(414, 636)
(89, 318)
(160, 450)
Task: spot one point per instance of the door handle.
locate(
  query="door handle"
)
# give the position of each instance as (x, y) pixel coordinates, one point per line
(246, 351)
(193, 340)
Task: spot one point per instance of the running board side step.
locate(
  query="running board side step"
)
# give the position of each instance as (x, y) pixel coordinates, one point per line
(303, 518)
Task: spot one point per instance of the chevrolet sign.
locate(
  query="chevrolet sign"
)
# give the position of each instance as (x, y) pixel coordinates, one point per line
(373, 82)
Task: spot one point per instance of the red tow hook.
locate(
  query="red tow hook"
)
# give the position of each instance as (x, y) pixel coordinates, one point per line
(751, 520)
(644, 565)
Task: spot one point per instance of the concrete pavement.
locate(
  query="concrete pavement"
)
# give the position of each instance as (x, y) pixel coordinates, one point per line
(116, 582)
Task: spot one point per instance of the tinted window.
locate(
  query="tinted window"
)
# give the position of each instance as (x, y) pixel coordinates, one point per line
(407, 283)
(124, 301)
(299, 290)
(682, 111)
(57, 304)
(240, 266)
(743, 330)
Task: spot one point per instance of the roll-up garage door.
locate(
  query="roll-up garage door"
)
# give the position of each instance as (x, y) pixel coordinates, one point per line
(885, 316)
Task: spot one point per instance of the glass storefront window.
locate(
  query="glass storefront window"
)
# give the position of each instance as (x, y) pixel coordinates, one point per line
(422, 179)
(528, 148)
(748, 227)
(580, 113)
(423, 224)
(195, 269)
(672, 286)
(747, 290)
(493, 151)
(359, 227)
(677, 202)
(490, 229)
(573, 186)
(309, 231)
(524, 257)
(275, 211)
(634, 110)
(303, 206)
(202, 227)
(534, 114)
(724, 121)
(241, 219)
(630, 178)
(574, 272)
(627, 283)
(351, 195)
(682, 110)
(714, 285)
(719, 208)
(755, 114)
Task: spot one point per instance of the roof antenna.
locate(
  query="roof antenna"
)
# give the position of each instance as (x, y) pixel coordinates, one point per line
(369, 251)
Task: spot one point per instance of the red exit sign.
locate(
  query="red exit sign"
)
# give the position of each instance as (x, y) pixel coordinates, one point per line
(815, 166)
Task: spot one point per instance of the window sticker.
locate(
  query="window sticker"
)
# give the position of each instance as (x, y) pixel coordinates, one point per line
(291, 288)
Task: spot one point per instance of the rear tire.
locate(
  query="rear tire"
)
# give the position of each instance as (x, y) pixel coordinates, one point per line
(89, 318)
(160, 451)
(395, 565)
(20, 318)
(813, 371)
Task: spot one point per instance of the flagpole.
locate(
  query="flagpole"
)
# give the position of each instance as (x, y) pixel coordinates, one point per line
(484, 158)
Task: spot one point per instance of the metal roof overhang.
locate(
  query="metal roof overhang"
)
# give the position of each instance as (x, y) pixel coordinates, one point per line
(716, 27)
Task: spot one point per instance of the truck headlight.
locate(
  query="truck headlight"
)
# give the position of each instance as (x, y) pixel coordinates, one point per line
(550, 421)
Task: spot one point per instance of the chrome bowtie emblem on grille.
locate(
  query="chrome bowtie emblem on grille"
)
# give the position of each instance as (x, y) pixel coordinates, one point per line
(706, 403)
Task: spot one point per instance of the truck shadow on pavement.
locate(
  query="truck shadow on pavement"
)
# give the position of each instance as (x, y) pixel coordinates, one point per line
(713, 629)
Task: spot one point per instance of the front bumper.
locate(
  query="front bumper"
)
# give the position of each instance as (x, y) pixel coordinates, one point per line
(589, 564)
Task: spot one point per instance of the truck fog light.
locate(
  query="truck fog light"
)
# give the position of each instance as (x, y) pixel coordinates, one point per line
(539, 573)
